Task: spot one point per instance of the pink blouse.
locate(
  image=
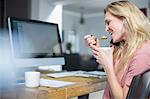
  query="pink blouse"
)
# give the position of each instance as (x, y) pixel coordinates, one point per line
(138, 64)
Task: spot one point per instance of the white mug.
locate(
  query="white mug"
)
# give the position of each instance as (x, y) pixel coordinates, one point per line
(109, 52)
(32, 79)
(106, 49)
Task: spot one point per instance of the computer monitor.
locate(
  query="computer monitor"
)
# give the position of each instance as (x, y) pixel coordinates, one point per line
(33, 43)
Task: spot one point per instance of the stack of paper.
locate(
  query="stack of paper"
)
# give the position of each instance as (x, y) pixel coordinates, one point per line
(54, 83)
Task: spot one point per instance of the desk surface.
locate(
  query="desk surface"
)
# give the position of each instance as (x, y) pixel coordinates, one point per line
(84, 86)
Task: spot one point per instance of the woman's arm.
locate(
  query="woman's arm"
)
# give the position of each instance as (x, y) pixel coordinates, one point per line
(107, 61)
(117, 91)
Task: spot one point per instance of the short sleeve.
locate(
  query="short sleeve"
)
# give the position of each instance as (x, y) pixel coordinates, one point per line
(137, 65)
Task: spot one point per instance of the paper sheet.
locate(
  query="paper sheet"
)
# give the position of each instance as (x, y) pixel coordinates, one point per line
(54, 83)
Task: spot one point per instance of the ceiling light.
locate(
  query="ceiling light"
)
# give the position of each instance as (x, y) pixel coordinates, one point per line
(82, 20)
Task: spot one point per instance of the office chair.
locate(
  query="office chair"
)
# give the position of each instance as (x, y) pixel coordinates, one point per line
(140, 86)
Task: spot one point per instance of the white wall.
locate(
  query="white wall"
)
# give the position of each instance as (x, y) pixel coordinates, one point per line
(44, 10)
(35, 9)
(143, 4)
(70, 25)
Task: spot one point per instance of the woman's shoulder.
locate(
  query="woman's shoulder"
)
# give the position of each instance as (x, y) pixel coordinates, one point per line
(140, 61)
(144, 49)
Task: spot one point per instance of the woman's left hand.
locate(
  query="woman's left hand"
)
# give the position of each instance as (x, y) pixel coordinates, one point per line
(103, 56)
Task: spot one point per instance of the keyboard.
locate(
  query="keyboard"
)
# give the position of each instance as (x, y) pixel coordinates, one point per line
(78, 73)
(98, 73)
(65, 74)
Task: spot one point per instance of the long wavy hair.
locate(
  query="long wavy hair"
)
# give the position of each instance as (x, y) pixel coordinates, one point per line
(137, 26)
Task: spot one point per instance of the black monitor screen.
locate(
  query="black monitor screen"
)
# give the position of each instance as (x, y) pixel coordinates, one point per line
(31, 38)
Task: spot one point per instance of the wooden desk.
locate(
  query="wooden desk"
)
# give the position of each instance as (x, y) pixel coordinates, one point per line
(84, 86)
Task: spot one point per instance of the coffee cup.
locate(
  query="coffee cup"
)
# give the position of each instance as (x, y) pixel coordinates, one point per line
(109, 52)
(106, 49)
(32, 79)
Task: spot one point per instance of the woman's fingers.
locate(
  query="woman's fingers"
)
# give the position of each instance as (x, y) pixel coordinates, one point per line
(98, 57)
(96, 48)
(87, 36)
(95, 52)
(90, 39)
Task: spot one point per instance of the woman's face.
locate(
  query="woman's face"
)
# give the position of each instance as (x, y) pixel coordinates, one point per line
(115, 27)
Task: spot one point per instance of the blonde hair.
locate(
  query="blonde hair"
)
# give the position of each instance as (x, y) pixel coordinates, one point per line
(137, 25)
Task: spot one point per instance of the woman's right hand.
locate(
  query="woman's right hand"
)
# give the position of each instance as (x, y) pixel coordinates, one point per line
(91, 40)
(104, 57)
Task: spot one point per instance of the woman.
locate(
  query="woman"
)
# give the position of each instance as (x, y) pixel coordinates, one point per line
(129, 27)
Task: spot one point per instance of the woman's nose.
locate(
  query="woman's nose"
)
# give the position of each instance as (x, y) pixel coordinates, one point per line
(106, 28)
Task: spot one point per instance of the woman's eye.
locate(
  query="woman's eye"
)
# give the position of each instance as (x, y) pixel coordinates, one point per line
(108, 22)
